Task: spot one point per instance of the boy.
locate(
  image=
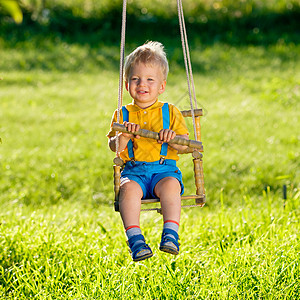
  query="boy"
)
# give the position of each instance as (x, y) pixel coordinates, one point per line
(150, 170)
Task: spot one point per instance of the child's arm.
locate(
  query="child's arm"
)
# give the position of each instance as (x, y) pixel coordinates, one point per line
(124, 137)
(166, 135)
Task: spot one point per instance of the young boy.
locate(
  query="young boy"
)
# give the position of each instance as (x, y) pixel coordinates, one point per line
(150, 170)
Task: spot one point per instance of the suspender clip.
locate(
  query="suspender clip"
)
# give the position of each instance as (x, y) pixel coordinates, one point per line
(162, 159)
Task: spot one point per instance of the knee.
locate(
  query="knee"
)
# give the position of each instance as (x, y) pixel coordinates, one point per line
(130, 189)
(168, 185)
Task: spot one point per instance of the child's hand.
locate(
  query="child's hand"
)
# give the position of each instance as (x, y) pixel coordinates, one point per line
(132, 127)
(165, 135)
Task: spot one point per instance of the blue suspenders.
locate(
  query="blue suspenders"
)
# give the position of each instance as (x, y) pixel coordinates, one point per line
(130, 144)
(166, 125)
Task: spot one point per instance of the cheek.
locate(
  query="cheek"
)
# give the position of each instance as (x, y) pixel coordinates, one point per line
(132, 87)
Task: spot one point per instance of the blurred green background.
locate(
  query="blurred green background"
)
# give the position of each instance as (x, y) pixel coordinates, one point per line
(95, 23)
(63, 56)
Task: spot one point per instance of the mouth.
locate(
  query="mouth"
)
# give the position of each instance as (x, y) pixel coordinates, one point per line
(142, 92)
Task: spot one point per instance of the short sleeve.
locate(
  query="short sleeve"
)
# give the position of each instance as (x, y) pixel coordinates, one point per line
(177, 122)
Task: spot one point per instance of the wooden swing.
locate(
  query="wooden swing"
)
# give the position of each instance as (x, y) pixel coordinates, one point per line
(194, 146)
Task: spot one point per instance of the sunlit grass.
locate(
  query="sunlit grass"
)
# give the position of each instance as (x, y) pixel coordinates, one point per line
(233, 253)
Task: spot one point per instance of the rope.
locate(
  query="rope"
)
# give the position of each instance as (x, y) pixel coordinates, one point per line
(189, 74)
(188, 56)
(187, 62)
(122, 50)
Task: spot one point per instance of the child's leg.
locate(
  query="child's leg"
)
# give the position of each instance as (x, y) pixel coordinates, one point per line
(168, 190)
(130, 205)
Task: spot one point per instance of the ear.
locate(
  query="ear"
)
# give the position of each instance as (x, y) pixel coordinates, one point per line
(126, 85)
(162, 87)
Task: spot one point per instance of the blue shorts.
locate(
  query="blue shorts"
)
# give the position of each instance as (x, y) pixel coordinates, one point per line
(148, 174)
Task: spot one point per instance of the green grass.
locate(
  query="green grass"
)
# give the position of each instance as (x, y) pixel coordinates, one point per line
(59, 236)
(75, 251)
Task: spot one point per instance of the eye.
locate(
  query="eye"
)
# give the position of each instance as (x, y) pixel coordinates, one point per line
(134, 78)
(150, 79)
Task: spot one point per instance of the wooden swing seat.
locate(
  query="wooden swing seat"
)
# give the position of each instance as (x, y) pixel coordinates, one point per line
(194, 147)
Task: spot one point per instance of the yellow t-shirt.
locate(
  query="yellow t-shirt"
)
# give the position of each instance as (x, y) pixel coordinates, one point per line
(151, 119)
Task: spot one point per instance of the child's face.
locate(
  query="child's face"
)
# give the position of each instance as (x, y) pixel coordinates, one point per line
(145, 84)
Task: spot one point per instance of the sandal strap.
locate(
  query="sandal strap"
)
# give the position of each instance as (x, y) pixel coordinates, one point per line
(166, 236)
(170, 231)
(135, 238)
(139, 248)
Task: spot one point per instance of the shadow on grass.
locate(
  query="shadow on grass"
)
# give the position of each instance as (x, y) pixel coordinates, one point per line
(56, 43)
(261, 27)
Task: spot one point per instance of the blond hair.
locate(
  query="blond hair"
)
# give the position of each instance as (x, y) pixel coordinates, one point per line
(151, 53)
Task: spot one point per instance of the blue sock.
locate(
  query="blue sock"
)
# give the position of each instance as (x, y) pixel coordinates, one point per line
(132, 231)
(173, 225)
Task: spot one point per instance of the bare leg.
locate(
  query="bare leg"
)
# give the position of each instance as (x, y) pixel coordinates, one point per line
(130, 206)
(130, 203)
(168, 191)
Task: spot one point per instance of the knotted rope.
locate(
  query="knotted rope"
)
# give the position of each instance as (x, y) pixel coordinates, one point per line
(122, 50)
(187, 61)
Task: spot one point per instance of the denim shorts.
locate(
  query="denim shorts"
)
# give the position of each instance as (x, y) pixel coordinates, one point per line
(148, 174)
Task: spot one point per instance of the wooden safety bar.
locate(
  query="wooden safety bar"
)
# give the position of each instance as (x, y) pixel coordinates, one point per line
(155, 135)
(188, 113)
(192, 145)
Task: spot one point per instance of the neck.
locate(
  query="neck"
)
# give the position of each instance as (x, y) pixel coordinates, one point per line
(144, 105)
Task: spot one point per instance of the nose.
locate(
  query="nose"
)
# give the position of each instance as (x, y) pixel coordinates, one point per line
(141, 82)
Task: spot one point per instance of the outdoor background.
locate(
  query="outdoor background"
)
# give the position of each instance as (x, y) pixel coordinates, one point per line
(59, 68)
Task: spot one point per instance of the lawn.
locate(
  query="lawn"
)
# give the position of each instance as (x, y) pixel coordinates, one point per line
(59, 235)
